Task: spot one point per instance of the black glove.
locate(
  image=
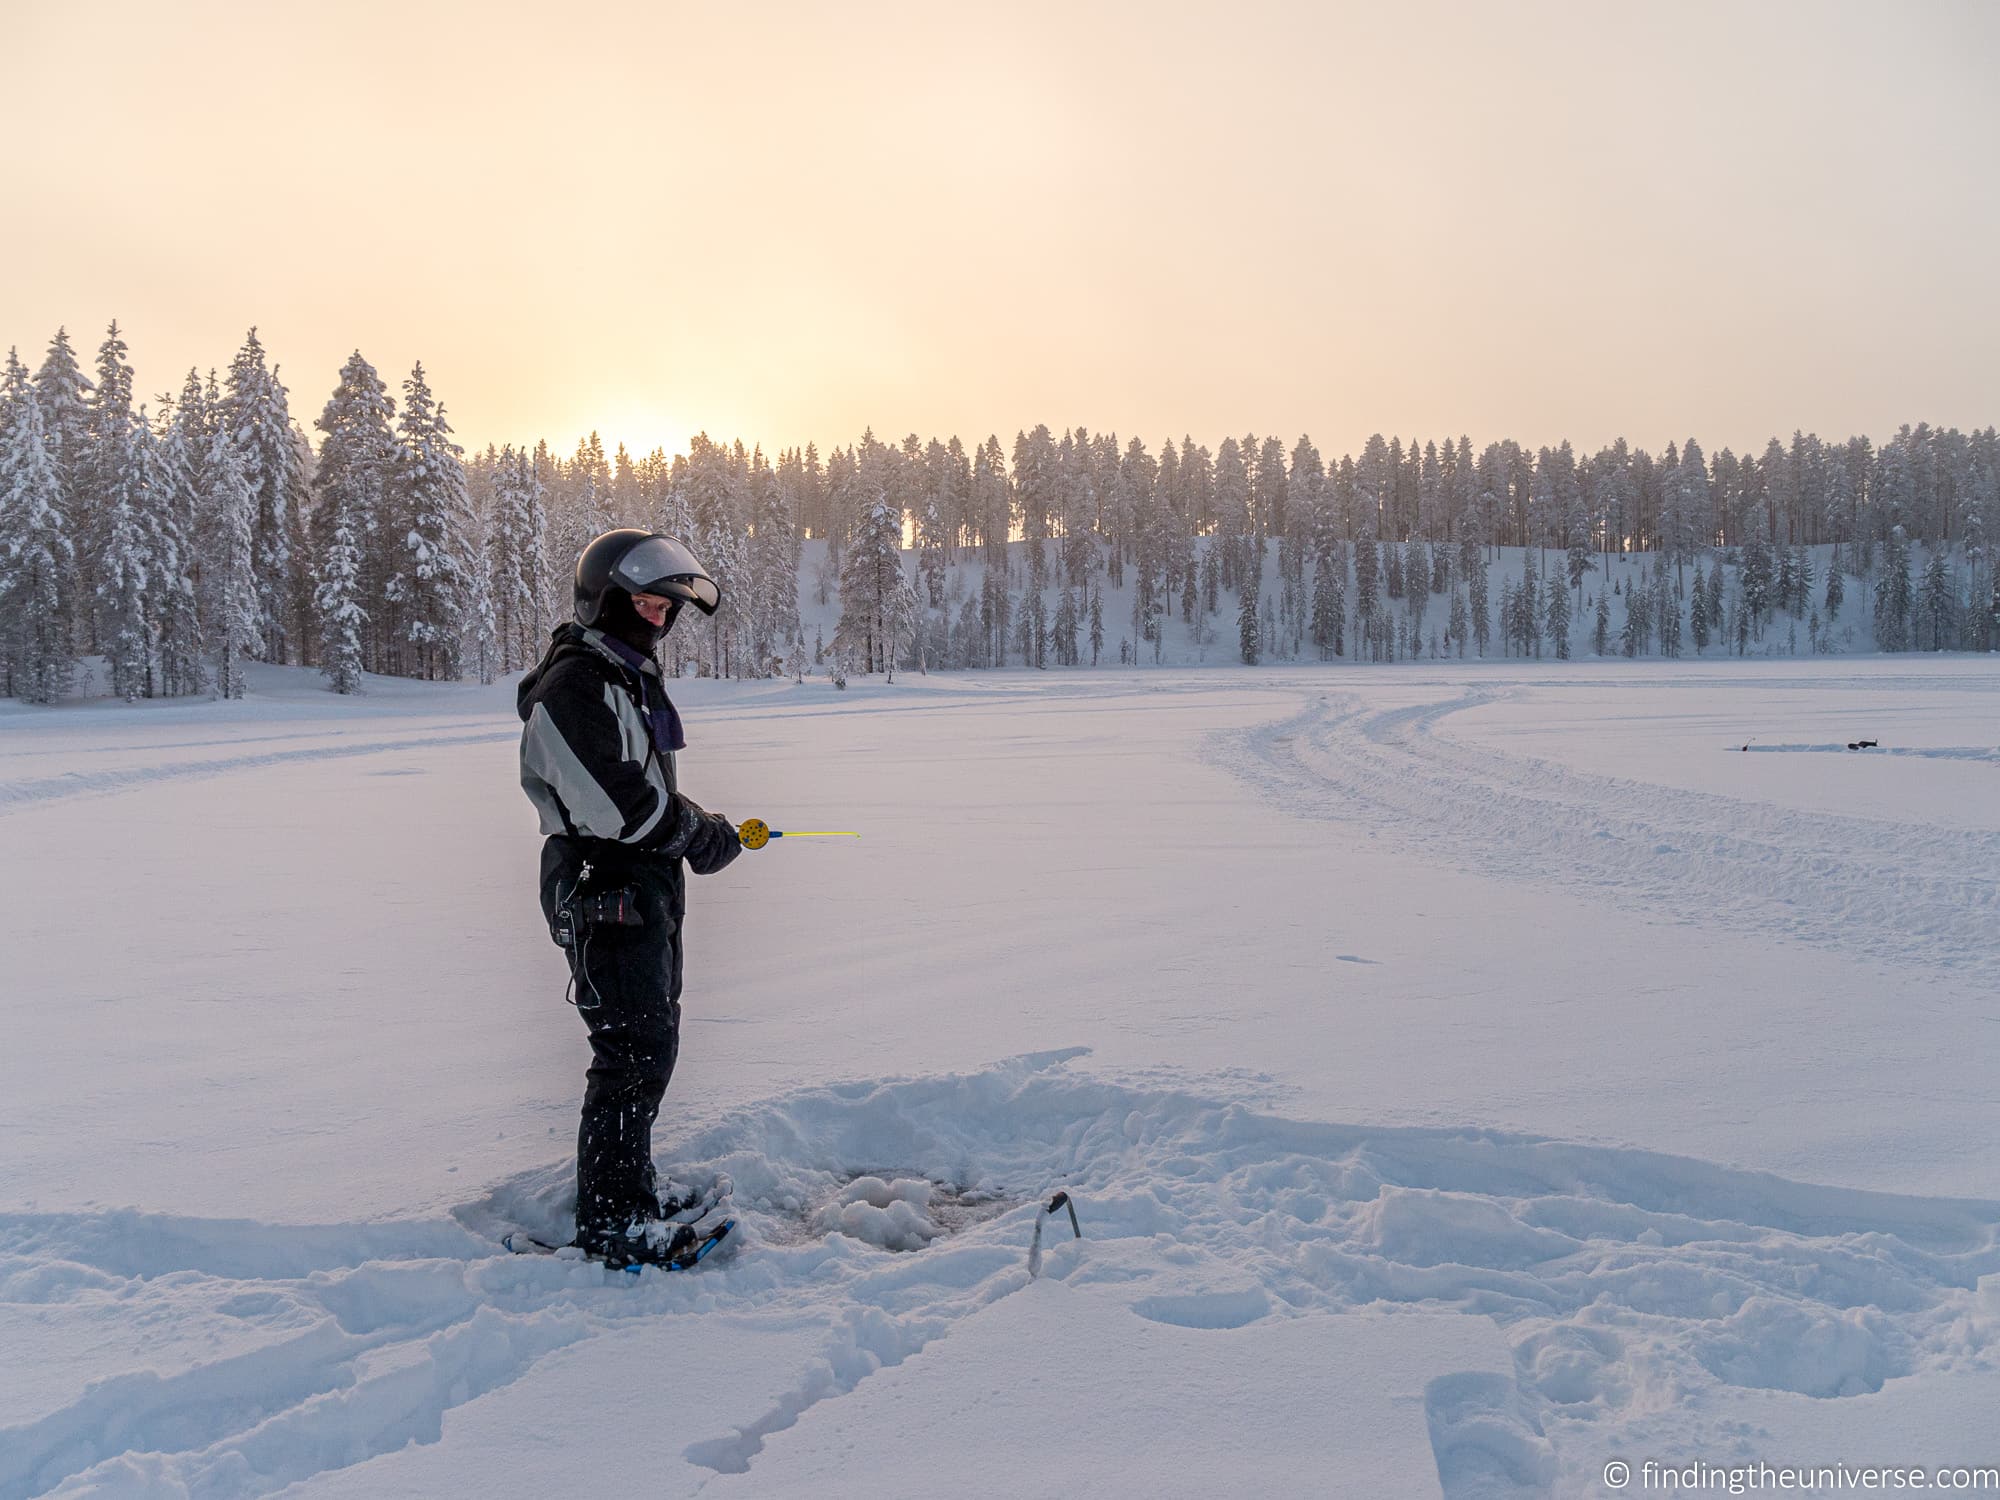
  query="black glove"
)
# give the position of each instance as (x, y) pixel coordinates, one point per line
(715, 843)
(678, 829)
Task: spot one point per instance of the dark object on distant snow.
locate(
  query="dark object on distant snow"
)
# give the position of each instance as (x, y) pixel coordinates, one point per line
(1864, 744)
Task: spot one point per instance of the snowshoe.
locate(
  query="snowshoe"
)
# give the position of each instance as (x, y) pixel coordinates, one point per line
(671, 1247)
(688, 1203)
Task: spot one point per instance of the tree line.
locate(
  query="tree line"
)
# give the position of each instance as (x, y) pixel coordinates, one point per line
(179, 539)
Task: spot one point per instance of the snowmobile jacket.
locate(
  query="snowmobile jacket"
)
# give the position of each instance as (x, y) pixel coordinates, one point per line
(594, 756)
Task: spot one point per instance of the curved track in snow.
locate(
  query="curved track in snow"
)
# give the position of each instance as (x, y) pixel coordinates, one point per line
(1888, 890)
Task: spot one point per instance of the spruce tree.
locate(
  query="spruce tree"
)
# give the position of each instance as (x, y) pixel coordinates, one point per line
(872, 568)
(350, 517)
(343, 621)
(1893, 595)
(1667, 607)
(1249, 632)
(232, 606)
(1937, 603)
(36, 555)
(101, 503)
(261, 432)
(65, 394)
(1477, 601)
(175, 604)
(519, 521)
(433, 572)
(1326, 608)
(124, 568)
(1555, 611)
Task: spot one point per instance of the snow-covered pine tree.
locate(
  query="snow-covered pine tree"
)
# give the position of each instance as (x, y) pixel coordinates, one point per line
(1600, 631)
(124, 569)
(1528, 612)
(480, 634)
(1477, 602)
(1786, 583)
(1249, 632)
(353, 532)
(1698, 611)
(872, 569)
(175, 604)
(100, 496)
(64, 394)
(1555, 621)
(1937, 603)
(774, 560)
(254, 408)
(1327, 605)
(1096, 623)
(1632, 637)
(232, 605)
(37, 649)
(1067, 654)
(992, 503)
(1667, 609)
(516, 541)
(343, 621)
(1894, 594)
(432, 570)
(717, 499)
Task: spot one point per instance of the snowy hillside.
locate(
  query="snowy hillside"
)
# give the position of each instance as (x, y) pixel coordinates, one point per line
(1467, 1075)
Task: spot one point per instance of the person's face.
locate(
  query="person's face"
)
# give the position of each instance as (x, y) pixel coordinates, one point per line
(653, 609)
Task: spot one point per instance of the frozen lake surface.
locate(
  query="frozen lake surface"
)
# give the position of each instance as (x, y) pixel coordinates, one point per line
(1467, 1073)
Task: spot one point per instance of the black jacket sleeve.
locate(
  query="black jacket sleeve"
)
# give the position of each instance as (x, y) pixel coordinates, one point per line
(596, 762)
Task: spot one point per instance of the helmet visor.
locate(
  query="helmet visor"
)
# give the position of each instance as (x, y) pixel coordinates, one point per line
(660, 565)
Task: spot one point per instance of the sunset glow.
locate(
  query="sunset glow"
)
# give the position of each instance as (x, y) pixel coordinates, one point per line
(796, 221)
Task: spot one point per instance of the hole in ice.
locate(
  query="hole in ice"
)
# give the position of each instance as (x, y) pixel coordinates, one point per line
(903, 1211)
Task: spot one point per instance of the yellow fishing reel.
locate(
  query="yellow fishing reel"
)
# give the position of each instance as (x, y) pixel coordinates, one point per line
(756, 833)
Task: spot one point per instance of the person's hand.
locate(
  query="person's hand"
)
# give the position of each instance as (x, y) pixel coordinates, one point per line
(715, 843)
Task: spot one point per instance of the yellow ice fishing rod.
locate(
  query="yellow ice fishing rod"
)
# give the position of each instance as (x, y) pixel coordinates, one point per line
(757, 833)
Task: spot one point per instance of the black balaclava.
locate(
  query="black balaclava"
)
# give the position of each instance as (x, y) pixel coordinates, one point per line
(619, 618)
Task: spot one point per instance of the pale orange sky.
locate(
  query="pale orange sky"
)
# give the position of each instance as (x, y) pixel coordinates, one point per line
(784, 222)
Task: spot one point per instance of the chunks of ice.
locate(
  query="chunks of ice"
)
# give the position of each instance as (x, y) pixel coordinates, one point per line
(893, 1215)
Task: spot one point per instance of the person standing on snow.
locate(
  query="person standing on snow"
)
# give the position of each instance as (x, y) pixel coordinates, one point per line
(597, 759)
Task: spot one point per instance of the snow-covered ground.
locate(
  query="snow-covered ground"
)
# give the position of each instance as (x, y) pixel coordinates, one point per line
(1466, 1074)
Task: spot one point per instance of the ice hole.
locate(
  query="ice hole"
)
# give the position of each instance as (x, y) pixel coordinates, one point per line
(904, 1211)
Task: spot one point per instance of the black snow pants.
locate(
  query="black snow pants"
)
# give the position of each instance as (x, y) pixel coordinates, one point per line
(628, 990)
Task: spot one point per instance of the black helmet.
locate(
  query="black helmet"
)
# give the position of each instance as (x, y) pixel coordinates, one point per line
(641, 562)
